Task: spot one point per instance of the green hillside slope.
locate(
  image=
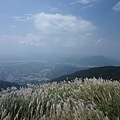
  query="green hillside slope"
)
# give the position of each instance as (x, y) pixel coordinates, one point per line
(107, 72)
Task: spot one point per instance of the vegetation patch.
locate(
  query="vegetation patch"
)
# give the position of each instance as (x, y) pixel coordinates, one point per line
(95, 99)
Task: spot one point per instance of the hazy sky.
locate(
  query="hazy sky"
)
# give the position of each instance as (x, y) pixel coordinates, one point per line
(60, 27)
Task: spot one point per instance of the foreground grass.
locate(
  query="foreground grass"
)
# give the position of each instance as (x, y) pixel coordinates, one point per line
(93, 100)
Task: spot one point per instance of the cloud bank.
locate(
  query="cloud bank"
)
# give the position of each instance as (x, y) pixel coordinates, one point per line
(57, 34)
(59, 31)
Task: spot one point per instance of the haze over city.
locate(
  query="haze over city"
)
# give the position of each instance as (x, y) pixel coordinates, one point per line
(35, 28)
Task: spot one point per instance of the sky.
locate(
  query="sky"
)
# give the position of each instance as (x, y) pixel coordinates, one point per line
(34, 28)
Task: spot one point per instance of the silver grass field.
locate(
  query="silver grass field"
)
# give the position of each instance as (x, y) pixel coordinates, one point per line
(95, 99)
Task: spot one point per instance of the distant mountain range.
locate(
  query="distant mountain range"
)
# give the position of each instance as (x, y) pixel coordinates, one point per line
(91, 61)
(107, 72)
(98, 61)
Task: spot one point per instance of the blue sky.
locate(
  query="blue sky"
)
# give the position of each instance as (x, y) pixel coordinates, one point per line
(60, 27)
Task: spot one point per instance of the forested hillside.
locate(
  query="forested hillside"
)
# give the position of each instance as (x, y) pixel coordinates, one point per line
(6, 84)
(107, 72)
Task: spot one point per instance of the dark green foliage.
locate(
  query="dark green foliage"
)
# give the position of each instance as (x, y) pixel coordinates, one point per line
(6, 84)
(107, 72)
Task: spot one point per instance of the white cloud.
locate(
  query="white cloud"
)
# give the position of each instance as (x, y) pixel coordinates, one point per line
(102, 42)
(117, 7)
(32, 39)
(21, 45)
(87, 6)
(54, 9)
(55, 33)
(24, 18)
(58, 23)
(64, 31)
(57, 30)
(15, 41)
(12, 26)
(83, 2)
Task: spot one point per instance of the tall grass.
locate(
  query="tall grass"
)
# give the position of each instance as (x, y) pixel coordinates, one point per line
(92, 100)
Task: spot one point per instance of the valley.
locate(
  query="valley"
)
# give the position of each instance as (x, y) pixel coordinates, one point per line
(38, 72)
(34, 72)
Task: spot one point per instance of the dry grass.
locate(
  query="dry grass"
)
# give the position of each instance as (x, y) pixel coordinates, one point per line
(93, 100)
